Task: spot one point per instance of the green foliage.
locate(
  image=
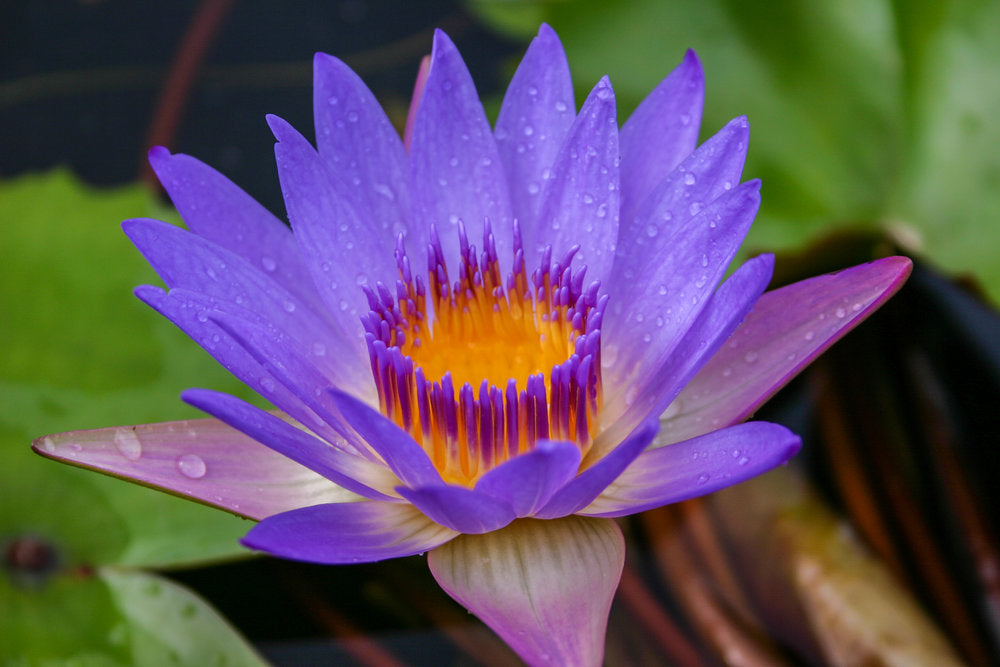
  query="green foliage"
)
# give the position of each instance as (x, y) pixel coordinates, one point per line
(79, 352)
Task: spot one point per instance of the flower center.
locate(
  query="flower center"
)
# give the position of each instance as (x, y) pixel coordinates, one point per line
(524, 355)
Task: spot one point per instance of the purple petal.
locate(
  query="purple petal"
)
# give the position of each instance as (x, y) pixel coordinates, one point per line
(544, 586)
(786, 330)
(704, 176)
(535, 117)
(193, 313)
(647, 319)
(459, 508)
(299, 370)
(654, 387)
(359, 144)
(337, 533)
(344, 248)
(400, 452)
(661, 132)
(456, 169)
(202, 459)
(530, 480)
(348, 470)
(707, 463)
(185, 260)
(586, 486)
(580, 199)
(215, 208)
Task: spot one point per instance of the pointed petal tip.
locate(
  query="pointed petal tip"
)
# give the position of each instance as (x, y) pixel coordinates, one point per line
(158, 154)
(280, 128)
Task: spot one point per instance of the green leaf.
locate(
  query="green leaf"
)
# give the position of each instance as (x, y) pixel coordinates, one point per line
(82, 352)
(878, 115)
(112, 617)
(169, 625)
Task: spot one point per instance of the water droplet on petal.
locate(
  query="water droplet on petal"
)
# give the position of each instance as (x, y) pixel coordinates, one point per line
(743, 461)
(689, 179)
(560, 106)
(750, 357)
(528, 130)
(269, 264)
(694, 208)
(841, 313)
(203, 316)
(127, 443)
(352, 117)
(267, 383)
(289, 306)
(652, 230)
(192, 466)
(703, 479)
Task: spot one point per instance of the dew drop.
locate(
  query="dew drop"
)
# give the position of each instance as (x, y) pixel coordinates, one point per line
(528, 130)
(361, 279)
(210, 272)
(704, 261)
(561, 106)
(192, 466)
(203, 316)
(662, 290)
(344, 305)
(127, 443)
(269, 264)
(385, 191)
(652, 230)
(333, 100)
(453, 161)
(743, 461)
(695, 208)
(588, 199)
(856, 307)
(267, 383)
(809, 335)
(685, 119)
(689, 179)
(703, 479)
(602, 210)
(533, 188)
(532, 91)
(750, 357)
(841, 313)
(289, 306)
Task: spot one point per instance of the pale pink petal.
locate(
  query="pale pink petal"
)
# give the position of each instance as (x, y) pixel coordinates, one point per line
(786, 330)
(202, 459)
(544, 586)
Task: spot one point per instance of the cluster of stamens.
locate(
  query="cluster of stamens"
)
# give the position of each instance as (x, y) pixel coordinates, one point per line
(493, 366)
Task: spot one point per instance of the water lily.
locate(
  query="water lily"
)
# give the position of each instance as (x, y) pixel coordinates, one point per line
(482, 344)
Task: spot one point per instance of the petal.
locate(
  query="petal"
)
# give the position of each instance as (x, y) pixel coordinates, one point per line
(400, 452)
(345, 469)
(586, 486)
(648, 319)
(185, 260)
(580, 199)
(654, 387)
(544, 586)
(343, 247)
(785, 331)
(707, 463)
(459, 508)
(534, 119)
(201, 459)
(357, 141)
(193, 313)
(530, 480)
(661, 132)
(337, 533)
(303, 372)
(704, 176)
(214, 207)
(455, 167)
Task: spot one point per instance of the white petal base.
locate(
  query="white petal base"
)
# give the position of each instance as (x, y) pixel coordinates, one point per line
(544, 586)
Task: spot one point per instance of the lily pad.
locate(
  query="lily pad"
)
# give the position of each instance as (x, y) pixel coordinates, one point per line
(79, 352)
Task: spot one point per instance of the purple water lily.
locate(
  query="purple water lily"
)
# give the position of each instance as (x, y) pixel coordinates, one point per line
(482, 343)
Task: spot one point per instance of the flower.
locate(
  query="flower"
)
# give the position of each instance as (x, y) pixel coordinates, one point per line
(492, 403)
